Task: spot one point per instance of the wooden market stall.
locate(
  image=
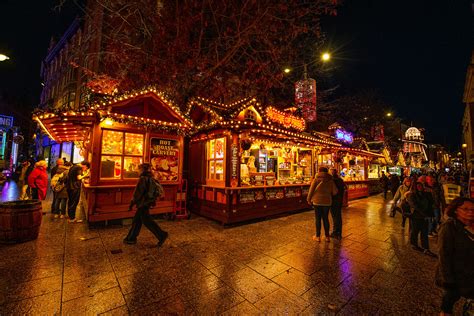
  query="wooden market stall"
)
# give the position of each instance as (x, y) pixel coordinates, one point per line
(250, 162)
(117, 134)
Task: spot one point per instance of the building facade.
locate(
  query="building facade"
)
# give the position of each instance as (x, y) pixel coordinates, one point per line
(468, 118)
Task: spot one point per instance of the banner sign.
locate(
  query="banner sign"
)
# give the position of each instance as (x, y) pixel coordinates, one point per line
(164, 159)
(6, 121)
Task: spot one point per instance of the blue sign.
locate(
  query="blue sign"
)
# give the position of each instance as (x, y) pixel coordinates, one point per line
(6, 120)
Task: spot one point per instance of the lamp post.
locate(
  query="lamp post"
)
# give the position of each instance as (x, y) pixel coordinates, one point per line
(464, 154)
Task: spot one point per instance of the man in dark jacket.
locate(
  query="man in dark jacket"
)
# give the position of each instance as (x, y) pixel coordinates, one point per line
(73, 186)
(336, 207)
(143, 203)
(394, 183)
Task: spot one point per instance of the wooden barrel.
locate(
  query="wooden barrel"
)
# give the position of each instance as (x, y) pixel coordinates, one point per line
(20, 221)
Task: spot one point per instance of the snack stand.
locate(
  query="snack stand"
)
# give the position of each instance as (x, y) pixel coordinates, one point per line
(353, 169)
(116, 135)
(258, 161)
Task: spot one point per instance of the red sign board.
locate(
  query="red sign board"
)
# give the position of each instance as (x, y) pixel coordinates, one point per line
(164, 158)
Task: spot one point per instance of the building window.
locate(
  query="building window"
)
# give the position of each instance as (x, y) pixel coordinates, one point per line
(216, 160)
(122, 153)
(250, 115)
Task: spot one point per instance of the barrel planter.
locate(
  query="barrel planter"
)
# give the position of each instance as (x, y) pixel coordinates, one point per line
(20, 221)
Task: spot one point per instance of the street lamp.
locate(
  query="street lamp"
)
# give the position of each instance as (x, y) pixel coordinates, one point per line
(326, 57)
(389, 114)
(3, 57)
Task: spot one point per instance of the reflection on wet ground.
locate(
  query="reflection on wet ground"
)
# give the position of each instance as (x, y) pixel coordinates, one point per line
(267, 267)
(9, 191)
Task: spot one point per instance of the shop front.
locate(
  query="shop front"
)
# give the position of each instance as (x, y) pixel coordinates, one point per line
(258, 162)
(117, 135)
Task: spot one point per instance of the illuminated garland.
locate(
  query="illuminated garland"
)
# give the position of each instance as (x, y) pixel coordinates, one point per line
(107, 101)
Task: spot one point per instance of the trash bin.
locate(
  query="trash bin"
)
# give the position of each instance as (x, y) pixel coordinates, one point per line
(20, 221)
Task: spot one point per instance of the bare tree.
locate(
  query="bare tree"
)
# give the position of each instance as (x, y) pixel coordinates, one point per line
(212, 48)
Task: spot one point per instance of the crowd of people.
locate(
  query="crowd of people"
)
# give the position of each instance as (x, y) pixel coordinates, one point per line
(65, 182)
(435, 207)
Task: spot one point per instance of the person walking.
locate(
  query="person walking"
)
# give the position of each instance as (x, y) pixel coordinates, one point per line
(73, 186)
(320, 196)
(384, 181)
(455, 270)
(421, 209)
(400, 197)
(434, 188)
(144, 197)
(58, 185)
(336, 206)
(394, 183)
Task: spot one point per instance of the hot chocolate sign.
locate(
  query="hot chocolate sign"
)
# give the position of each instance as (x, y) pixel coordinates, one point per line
(164, 158)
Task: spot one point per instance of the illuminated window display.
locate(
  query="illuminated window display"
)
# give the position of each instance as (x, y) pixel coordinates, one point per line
(276, 165)
(215, 160)
(122, 153)
(374, 171)
(352, 168)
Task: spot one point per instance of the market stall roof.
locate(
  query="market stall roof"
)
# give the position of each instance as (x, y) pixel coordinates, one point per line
(262, 121)
(147, 107)
(66, 126)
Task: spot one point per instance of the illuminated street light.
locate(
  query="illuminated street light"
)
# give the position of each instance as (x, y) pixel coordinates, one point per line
(287, 70)
(3, 57)
(389, 114)
(326, 56)
(464, 145)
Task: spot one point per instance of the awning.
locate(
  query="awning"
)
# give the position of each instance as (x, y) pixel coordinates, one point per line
(67, 126)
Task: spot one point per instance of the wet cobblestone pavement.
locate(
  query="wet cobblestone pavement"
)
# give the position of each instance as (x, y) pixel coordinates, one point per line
(267, 267)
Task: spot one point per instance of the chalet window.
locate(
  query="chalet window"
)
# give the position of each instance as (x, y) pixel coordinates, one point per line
(122, 153)
(216, 160)
(250, 116)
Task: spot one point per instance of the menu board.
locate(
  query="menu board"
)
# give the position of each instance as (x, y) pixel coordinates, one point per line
(164, 158)
(247, 197)
(293, 192)
(275, 194)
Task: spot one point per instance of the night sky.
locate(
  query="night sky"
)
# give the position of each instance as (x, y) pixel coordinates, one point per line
(414, 53)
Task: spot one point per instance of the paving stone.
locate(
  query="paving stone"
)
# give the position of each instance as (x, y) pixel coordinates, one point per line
(96, 303)
(263, 267)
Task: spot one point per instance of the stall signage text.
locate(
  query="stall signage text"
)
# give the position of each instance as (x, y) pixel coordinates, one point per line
(234, 164)
(286, 119)
(164, 158)
(6, 120)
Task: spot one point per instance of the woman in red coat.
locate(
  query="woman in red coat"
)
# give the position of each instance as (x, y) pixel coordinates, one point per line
(38, 180)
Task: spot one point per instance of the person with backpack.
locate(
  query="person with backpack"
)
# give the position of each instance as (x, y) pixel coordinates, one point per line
(58, 185)
(147, 191)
